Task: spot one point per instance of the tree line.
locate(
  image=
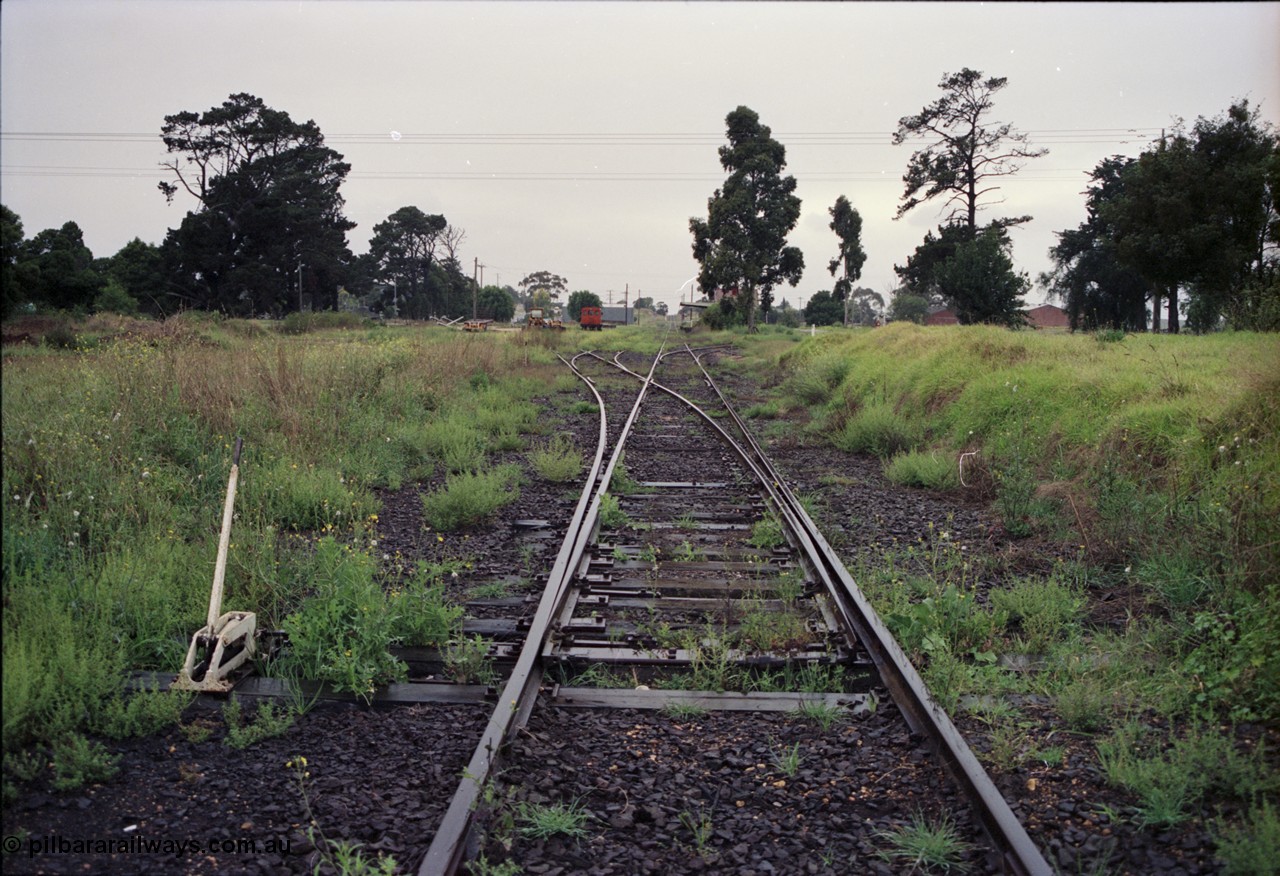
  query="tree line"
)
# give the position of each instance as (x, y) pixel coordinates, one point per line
(1190, 225)
(267, 236)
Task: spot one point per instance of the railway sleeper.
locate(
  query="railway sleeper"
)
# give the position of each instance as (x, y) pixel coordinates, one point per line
(615, 554)
(711, 701)
(694, 587)
(780, 564)
(669, 668)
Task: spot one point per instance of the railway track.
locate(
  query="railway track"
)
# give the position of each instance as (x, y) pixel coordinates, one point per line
(692, 580)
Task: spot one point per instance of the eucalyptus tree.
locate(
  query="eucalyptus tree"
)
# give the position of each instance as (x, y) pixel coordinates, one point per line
(267, 208)
(964, 153)
(551, 285)
(1238, 162)
(846, 222)
(742, 244)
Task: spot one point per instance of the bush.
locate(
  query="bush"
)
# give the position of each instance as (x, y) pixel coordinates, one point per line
(61, 336)
(78, 761)
(141, 714)
(1015, 494)
(767, 534)
(1250, 849)
(267, 723)
(114, 298)
(421, 616)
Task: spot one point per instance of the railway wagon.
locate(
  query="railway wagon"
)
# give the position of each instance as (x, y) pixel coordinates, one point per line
(591, 318)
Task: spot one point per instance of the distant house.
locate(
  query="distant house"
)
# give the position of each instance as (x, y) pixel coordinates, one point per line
(946, 316)
(1047, 316)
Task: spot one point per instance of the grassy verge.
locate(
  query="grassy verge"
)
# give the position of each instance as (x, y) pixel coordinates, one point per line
(116, 452)
(1151, 467)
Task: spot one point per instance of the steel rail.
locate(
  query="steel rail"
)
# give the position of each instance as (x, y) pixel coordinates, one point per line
(923, 714)
(450, 844)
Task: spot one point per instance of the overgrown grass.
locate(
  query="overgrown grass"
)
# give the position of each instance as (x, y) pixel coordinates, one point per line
(1156, 453)
(1171, 779)
(115, 462)
(542, 821)
(880, 430)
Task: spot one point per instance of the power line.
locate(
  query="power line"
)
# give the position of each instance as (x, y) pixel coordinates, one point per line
(77, 172)
(1059, 136)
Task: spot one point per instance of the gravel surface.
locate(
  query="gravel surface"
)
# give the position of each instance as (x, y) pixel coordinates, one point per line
(381, 778)
(717, 794)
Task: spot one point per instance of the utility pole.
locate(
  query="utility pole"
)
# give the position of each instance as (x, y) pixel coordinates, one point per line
(475, 290)
(626, 293)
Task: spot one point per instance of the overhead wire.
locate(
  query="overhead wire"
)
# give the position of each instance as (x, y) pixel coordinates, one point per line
(1060, 136)
(801, 138)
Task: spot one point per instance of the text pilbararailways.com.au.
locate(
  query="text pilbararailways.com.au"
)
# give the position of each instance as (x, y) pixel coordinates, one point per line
(53, 844)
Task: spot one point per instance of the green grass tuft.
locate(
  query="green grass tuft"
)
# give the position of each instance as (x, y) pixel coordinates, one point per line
(930, 470)
(471, 497)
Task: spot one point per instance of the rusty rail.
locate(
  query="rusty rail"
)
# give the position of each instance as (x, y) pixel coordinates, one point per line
(450, 844)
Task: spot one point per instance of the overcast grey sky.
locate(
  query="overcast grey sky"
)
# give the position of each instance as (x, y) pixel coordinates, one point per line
(579, 137)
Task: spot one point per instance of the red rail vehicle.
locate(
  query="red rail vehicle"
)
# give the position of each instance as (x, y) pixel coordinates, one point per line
(591, 319)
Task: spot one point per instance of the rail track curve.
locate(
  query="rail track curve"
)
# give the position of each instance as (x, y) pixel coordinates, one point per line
(723, 560)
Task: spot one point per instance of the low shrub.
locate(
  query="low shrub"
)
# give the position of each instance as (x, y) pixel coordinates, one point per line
(421, 616)
(558, 460)
(267, 723)
(141, 714)
(342, 632)
(78, 761)
(470, 497)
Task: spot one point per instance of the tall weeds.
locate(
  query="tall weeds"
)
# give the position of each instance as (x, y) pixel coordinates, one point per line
(115, 463)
